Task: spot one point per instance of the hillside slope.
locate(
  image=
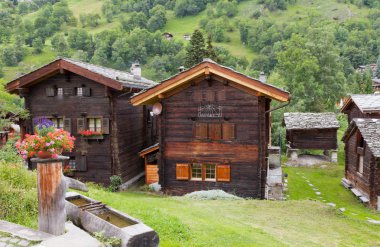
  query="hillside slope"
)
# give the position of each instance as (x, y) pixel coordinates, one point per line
(186, 25)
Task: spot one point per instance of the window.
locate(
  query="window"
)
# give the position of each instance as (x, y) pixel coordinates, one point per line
(196, 172)
(57, 123)
(94, 124)
(210, 171)
(59, 91)
(360, 152)
(80, 91)
(203, 172)
(215, 131)
(361, 164)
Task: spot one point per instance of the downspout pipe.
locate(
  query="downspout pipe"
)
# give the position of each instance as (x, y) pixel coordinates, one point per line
(279, 107)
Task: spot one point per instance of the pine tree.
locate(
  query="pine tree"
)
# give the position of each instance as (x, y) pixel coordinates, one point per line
(210, 51)
(195, 51)
(378, 68)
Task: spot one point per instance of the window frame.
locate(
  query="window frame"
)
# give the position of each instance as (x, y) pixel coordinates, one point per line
(51, 118)
(203, 169)
(60, 91)
(87, 124)
(79, 89)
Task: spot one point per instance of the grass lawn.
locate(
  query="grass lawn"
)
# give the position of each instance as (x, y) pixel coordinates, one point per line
(186, 222)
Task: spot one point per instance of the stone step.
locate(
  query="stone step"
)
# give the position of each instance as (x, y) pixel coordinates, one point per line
(356, 192)
(363, 199)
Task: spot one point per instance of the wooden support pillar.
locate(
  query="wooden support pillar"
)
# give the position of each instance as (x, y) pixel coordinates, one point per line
(51, 195)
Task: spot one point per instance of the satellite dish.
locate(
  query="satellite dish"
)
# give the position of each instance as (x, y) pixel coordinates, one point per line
(157, 108)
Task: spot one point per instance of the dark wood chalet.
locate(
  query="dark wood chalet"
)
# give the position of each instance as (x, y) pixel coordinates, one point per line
(311, 130)
(362, 106)
(214, 130)
(362, 151)
(79, 96)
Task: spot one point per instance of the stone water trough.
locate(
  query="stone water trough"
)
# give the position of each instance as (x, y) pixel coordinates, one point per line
(93, 216)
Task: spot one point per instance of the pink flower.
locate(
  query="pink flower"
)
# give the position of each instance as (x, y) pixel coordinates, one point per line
(54, 156)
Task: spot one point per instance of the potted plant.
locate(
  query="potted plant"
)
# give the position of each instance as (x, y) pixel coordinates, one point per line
(46, 142)
(89, 134)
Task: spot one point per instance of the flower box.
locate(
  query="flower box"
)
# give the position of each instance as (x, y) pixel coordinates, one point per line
(93, 137)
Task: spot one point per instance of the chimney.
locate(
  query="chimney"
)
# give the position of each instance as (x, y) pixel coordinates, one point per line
(181, 69)
(136, 70)
(262, 77)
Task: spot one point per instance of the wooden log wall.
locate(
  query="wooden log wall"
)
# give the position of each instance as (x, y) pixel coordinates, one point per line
(245, 154)
(98, 153)
(130, 136)
(325, 139)
(365, 181)
(354, 112)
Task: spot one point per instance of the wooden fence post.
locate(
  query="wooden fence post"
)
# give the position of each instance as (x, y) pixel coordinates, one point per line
(51, 195)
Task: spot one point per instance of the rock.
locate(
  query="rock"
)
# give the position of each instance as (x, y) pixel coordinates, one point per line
(74, 237)
(75, 184)
(377, 222)
(311, 185)
(155, 187)
(331, 204)
(342, 209)
(23, 243)
(318, 193)
(14, 240)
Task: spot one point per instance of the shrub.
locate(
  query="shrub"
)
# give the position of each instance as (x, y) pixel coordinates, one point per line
(116, 181)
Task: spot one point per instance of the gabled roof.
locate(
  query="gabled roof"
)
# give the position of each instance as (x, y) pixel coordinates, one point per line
(370, 131)
(298, 120)
(207, 68)
(367, 103)
(110, 77)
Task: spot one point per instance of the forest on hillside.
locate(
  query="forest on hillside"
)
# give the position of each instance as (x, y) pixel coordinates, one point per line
(308, 53)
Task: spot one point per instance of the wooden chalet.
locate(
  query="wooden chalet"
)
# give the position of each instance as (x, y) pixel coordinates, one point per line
(79, 96)
(311, 131)
(214, 130)
(362, 151)
(362, 106)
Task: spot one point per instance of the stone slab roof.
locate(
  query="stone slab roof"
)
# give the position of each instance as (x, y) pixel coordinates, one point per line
(127, 79)
(367, 102)
(370, 131)
(301, 120)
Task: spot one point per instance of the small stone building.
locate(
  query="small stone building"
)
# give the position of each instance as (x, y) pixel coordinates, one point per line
(362, 151)
(362, 106)
(311, 131)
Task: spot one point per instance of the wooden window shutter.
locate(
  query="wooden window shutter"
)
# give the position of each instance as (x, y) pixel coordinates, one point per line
(80, 124)
(221, 95)
(228, 131)
(68, 91)
(197, 96)
(106, 125)
(215, 131)
(80, 162)
(86, 91)
(67, 124)
(210, 96)
(223, 173)
(201, 130)
(182, 171)
(50, 91)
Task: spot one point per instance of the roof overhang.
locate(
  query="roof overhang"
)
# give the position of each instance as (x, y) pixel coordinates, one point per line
(207, 69)
(55, 67)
